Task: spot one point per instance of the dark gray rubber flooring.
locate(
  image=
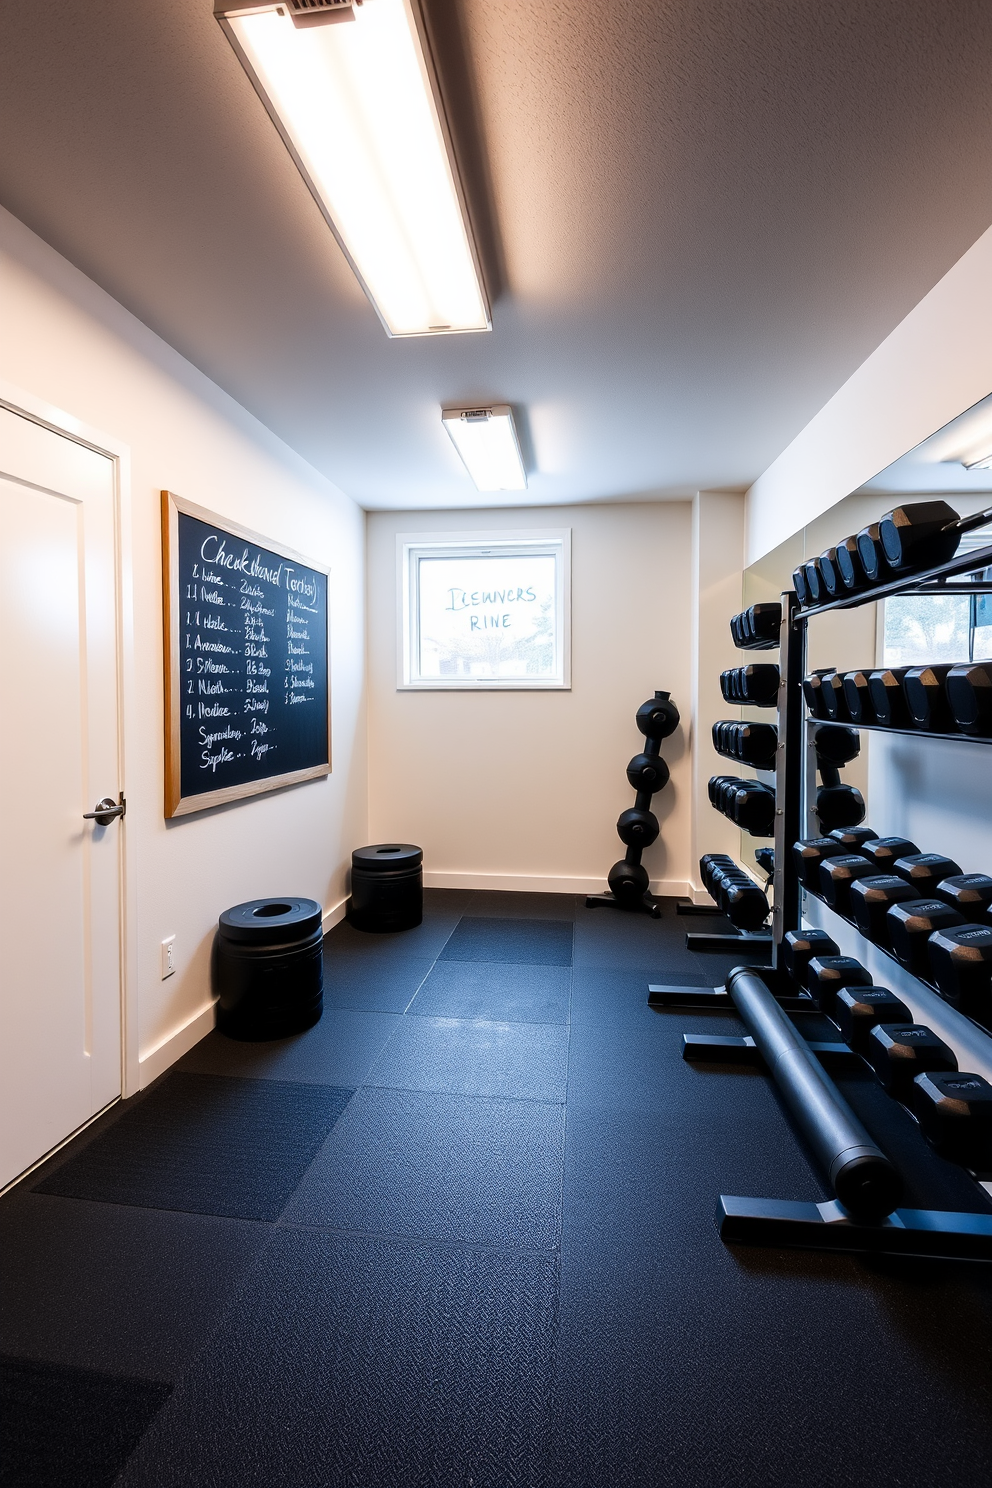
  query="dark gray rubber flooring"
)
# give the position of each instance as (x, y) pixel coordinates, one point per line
(492, 1265)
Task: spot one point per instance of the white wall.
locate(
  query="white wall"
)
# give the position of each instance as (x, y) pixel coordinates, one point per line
(933, 366)
(523, 789)
(68, 343)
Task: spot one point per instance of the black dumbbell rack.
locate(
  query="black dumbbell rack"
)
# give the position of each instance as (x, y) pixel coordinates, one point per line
(931, 1233)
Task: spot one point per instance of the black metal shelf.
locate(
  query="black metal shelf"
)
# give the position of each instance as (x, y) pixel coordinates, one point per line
(909, 733)
(929, 580)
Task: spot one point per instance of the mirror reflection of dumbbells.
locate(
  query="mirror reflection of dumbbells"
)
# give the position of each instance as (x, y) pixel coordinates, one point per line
(915, 1066)
(919, 535)
(734, 890)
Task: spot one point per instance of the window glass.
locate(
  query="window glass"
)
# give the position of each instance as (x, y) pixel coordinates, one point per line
(926, 627)
(491, 614)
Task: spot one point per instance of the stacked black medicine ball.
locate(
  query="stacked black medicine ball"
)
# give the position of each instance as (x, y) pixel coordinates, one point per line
(638, 827)
(906, 540)
(936, 698)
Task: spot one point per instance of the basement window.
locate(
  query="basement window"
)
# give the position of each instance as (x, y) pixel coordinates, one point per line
(484, 610)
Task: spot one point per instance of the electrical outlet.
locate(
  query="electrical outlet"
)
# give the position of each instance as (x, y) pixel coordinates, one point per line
(168, 957)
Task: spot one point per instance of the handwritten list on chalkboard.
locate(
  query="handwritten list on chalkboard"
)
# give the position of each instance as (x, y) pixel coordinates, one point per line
(246, 662)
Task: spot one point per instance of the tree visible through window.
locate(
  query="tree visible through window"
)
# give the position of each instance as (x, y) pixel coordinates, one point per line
(490, 614)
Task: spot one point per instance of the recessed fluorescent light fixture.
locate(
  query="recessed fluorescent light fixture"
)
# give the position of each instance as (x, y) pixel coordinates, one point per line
(360, 111)
(487, 442)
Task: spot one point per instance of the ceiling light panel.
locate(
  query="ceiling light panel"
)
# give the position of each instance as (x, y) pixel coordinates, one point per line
(487, 442)
(358, 107)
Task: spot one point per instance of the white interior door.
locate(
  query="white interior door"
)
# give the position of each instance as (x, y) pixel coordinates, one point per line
(60, 876)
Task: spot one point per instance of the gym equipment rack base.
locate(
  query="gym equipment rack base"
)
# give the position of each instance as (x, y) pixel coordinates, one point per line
(726, 1048)
(718, 998)
(939, 1234)
(700, 940)
(648, 903)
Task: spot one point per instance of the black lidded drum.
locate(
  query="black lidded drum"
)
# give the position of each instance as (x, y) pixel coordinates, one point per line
(268, 968)
(387, 887)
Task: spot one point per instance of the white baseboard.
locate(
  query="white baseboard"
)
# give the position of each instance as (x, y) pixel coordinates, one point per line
(334, 915)
(541, 883)
(174, 1046)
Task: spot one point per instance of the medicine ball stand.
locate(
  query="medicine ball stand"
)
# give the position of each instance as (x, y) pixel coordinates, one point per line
(638, 827)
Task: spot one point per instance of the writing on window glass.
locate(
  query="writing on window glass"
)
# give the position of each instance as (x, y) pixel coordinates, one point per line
(487, 617)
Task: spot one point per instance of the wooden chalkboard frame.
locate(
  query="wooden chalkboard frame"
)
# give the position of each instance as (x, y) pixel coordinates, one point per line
(176, 804)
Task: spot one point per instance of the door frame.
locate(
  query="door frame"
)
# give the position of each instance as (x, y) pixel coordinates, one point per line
(17, 400)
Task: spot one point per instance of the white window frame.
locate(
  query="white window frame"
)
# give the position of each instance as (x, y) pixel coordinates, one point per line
(412, 546)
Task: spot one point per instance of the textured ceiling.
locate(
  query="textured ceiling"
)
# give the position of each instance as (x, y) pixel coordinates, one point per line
(700, 216)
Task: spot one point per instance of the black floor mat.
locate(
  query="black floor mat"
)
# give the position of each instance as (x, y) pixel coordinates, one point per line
(527, 942)
(70, 1428)
(206, 1144)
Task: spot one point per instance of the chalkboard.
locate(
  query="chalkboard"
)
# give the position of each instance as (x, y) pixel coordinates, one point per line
(246, 678)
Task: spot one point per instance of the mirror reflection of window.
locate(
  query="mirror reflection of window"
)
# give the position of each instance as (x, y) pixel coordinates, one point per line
(920, 628)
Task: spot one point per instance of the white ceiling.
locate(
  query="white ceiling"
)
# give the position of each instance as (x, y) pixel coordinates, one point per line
(700, 217)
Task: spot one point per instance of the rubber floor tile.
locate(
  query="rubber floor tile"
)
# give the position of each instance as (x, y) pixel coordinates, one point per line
(205, 1145)
(339, 1050)
(70, 1428)
(439, 1167)
(510, 905)
(109, 1287)
(364, 1362)
(511, 1061)
(497, 994)
(529, 942)
(350, 982)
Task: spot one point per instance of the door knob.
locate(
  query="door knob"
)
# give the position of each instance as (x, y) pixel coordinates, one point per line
(105, 811)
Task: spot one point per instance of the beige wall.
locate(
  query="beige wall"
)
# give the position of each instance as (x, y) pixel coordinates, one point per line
(523, 789)
(66, 342)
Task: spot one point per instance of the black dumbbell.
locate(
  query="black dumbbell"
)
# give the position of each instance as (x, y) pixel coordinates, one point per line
(857, 697)
(832, 695)
(910, 925)
(815, 587)
(825, 975)
(800, 946)
(658, 717)
(885, 851)
(753, 808)
(637, 828)
(813, 692)
(836, 745)
(871, 898)
(961, 965)
(854, 839)
(710, 862)
(808, 854)
(849, 565)
(628, 882)
(839, 806)
(925, 870)
(715, 786)
(919, 535)
(745, 905)
(969, 893)
(765, 623)
(954, 1110)
(648, 772)
(836, 877)
(926, 699)
(888, 698)
(829, 573)
(873, 560)
(756, 683)
(901, 1051)
(800, 586)
(857, 1010)
(765, 859)
(969, 697)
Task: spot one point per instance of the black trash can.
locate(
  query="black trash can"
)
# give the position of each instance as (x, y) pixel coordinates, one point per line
(387, 887)
(268, 968)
